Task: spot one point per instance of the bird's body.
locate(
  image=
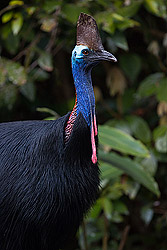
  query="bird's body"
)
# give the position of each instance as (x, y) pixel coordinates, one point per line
(49, 177)
(45, 190)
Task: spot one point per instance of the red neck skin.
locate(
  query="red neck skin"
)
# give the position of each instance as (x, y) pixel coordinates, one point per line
(70, 122)
(93, 134)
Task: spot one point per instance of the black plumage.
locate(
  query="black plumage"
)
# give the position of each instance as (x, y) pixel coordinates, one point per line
(44, 188)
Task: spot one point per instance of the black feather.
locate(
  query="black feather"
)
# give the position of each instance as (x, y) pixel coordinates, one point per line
(46, 187)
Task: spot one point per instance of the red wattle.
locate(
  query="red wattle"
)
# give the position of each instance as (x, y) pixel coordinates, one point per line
(95, 125)
(94, 156)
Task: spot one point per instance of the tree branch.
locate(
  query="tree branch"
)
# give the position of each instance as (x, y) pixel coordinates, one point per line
(124, 237)
(85, 235)
(106, 236)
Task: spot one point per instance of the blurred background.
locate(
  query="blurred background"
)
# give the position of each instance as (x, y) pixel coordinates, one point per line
(36, 40)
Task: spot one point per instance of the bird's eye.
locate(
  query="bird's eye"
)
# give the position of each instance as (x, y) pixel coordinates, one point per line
(85, 52)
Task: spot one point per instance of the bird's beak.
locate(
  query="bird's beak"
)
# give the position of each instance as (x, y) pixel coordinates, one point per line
(106, 56)
(102, 55)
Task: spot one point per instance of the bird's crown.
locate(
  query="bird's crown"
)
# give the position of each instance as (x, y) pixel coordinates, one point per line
(87, 33)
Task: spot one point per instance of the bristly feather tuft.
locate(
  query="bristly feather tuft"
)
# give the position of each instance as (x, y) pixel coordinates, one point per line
(87, 33)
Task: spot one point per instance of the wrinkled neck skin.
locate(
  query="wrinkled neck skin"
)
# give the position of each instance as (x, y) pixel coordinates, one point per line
(85, 97)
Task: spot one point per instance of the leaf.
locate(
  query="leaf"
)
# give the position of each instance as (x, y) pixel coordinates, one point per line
(117, 17)
(139, 128)
(162, 111)
(150, 164)
(31, 10)
(162, 90)
(120, 207)
(132, 168)
(159, 131)
(107, 207)
(149, 85)
(48, 24)
(116, 217)
(130, 10)
(50, 5)
(147, 214)
(163, 119)
(116, 190)
(45, 61)
(120, 41)
(131, 65)
(113, 21)
(50, 118)
(8, 95)
(126, 23)
(120, 124)
(16, 2)
(6, 31)
(39, 75)
(28, 90)
(106, 19)
(72, 11)
(15, 72)
(3, 74)
(154, 48)
(152, 6)
(108, 171)
(121, 141)
(96, 209)
(7, 17)
(17, 23)
(161, 144)
(116, 81)
(160, 156)
(12, 43)
(156, 7)
(132, 188)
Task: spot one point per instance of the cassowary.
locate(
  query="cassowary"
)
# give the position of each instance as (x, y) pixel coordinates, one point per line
(49, 176)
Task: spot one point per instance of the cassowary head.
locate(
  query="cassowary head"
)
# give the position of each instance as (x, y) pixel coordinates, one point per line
(89, 46)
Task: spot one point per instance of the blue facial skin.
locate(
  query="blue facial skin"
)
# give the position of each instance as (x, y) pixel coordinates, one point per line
(81, 68)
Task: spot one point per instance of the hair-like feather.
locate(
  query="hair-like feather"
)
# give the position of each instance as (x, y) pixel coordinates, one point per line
(45, 187)
(87, 33)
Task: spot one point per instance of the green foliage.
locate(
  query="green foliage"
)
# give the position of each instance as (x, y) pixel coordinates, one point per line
(35, 44)
(133, 67)
(118, 140)
(13, 72)
(45, 61)
(150, 84)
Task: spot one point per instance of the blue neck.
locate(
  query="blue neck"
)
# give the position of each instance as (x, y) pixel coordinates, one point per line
(84, 90)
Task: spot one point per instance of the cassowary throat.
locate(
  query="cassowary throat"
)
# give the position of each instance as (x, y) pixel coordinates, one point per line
(87, 53)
